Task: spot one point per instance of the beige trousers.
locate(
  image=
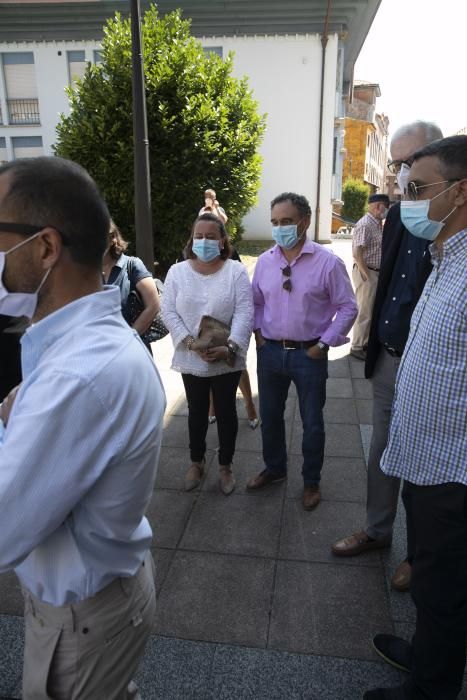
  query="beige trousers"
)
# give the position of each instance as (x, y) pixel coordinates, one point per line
(365, 293)
(89, 650)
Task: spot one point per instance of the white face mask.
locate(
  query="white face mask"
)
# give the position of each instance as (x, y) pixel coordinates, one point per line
(18, 303)
(402, 177)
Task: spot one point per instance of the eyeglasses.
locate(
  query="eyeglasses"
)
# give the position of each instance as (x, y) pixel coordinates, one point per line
(413, 188)
(395, 165)
(287, 272)
(28, 229)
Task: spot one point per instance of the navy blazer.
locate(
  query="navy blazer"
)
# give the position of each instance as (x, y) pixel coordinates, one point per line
(393, 233)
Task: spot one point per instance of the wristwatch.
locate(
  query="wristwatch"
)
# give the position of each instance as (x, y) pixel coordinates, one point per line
(232, 348)
(322, 346)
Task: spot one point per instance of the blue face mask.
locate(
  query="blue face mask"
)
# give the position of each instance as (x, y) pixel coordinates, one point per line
(206, 249)
(286, 236)
(414, 216)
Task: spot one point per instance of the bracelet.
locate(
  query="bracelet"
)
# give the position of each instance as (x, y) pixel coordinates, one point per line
(188, 342)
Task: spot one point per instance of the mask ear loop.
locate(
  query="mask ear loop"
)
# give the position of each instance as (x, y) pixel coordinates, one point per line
(439, 195)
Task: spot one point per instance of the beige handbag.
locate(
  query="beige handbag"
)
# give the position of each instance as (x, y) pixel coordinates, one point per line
(212, 333)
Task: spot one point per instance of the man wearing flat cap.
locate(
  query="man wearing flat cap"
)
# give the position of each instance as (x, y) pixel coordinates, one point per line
(366, 249)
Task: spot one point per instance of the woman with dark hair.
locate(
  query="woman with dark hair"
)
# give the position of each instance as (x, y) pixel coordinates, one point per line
(209, 284)
(130, 274)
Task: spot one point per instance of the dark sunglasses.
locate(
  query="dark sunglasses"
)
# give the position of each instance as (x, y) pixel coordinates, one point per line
(28, 229)
(287, 272)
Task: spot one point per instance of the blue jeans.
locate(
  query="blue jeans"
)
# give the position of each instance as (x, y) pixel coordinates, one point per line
(276, 369)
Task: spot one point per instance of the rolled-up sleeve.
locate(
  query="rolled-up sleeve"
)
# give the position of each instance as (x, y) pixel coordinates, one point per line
(342, 299)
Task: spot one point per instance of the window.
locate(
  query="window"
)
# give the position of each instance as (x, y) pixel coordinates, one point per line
(27, 146)
(97, 56)
(213, 49)
(21, 88)
(76, 66)
(3, 156)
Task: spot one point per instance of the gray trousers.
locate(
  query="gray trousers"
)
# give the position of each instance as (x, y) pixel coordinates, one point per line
(91, 649)
(382, 490)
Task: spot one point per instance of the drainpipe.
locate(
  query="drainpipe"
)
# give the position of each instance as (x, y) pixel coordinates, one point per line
(324, 43)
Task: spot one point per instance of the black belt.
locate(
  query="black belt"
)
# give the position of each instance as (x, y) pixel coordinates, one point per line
(393, 352)
(294, 344)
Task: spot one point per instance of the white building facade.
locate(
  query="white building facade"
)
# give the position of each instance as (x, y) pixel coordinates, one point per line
(302, 149)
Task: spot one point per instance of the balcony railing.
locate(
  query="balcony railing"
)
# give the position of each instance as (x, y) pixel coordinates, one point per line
(24, 111)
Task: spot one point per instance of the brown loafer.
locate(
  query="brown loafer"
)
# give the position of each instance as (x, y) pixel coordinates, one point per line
(401, 578)
(311, 497)
(264, 478)
(356, 544)
(194, 475)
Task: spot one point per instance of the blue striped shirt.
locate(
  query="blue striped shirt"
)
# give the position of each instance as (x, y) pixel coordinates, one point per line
(428, 433)
(78, 456)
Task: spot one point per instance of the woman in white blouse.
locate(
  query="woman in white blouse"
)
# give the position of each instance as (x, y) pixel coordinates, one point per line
(208, 283)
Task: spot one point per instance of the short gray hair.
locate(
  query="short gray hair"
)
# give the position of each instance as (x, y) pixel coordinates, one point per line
(431, 130)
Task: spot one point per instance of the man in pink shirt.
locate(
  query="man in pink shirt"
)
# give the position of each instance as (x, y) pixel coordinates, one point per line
(304, 304)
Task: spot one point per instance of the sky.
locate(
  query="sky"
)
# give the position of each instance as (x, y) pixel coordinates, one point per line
(416, 51)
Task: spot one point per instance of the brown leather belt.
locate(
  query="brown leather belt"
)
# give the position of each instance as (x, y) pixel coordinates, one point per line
(294, 344)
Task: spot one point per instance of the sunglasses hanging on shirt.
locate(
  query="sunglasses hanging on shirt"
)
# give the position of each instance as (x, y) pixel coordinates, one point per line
(287, 272)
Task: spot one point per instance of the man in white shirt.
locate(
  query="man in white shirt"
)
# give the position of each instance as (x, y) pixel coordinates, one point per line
(79, 441)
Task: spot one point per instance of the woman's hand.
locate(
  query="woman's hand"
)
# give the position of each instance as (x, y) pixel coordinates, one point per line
(215, 354)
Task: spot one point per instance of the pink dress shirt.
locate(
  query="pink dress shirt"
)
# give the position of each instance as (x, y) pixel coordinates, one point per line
(321, 303)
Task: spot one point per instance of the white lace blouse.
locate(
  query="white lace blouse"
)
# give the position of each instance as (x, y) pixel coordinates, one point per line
(225, 295)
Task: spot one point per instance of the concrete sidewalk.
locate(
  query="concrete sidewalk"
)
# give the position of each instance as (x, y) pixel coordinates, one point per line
(251, 602)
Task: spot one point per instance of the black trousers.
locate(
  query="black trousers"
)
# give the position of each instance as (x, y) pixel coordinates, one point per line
(224, 390)
(437, 517)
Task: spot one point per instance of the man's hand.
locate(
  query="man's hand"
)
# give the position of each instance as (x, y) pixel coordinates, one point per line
(363, 273)
(259, 339)
(7, 405)
(316, 353)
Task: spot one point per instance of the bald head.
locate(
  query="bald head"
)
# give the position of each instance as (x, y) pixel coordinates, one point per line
(411, 137)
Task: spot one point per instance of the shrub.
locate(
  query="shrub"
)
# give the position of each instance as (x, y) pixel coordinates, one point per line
(355, 196)
(203, 125)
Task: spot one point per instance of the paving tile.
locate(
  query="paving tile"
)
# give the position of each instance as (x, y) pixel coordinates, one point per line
(256, 674)
(174, 462)
(163, 559)
(11, 598)
(339, 367)
(357, 368)
(362, 388)
(218, 598)
(168, 514)
(339, 388)
(364, 410)
(340, 411)
(11, 654)
(342, 440)
(308, 536)
(343, 479)
(312, 601)
(248, 525)
(245, 465)
(247, 439)
(175, 669)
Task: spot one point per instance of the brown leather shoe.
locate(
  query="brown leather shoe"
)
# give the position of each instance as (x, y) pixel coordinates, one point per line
(401, 578)
(311, 497)
(264, 478)
(356, 544)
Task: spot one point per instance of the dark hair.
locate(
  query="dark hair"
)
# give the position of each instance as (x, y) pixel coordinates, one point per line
(298, 200)
(451, 153)
(50, 191)
(226, 250)
(118, 244)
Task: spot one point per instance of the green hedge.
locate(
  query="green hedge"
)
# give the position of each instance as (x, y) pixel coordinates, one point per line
(355, 196)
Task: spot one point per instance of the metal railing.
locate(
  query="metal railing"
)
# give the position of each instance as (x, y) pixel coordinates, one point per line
(23, 111)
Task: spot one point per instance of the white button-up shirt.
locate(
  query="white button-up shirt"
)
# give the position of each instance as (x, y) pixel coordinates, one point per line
(79, 454)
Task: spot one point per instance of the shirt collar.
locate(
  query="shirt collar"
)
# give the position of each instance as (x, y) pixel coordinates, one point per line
(308, 247)
(377, 221)
(453, 246)
(121, 261)
(44, 333)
